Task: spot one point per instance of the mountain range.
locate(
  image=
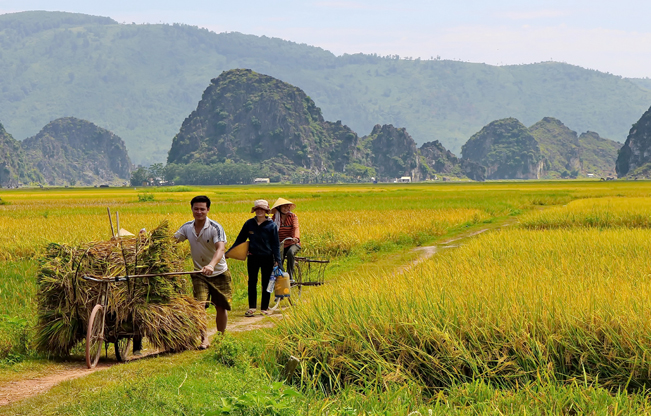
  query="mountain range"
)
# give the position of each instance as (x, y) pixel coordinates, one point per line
(141, 82)
(634, 159)
(546, 150)
(67, 151)
(249, 118)
(249, 124)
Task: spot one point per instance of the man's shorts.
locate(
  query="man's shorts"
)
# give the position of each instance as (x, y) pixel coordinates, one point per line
(218, 289)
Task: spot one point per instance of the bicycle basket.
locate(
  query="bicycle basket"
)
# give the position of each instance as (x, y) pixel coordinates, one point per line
(310, 272)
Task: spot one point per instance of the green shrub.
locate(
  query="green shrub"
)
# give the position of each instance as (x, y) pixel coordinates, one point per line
(145, 197)
(230, 351)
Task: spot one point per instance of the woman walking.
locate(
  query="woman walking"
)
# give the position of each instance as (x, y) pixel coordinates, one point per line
(264, 253)
(288, 231)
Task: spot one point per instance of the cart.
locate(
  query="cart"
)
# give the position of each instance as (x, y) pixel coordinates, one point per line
(103, 328)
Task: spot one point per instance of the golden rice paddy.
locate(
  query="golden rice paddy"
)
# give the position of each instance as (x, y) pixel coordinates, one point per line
(562, 295)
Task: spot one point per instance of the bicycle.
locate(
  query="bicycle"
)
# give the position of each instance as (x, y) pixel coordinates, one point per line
(307, 272)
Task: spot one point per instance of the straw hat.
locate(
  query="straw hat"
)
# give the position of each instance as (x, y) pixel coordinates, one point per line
(239, 252)
(261, 203)
(124, 233)
(283, 201)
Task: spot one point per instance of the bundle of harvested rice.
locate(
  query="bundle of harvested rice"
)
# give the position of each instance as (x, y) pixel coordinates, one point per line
(158, 308)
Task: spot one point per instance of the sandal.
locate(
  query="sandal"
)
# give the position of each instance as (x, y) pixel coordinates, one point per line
(249, 313)
(266, 312)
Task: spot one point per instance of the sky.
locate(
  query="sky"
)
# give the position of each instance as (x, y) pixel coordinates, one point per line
(609, 36)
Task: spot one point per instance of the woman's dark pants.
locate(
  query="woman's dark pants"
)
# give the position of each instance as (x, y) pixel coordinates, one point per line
(265, 264)
(290, 253)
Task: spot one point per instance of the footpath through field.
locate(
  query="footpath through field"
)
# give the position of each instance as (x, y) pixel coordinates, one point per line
(16, 390)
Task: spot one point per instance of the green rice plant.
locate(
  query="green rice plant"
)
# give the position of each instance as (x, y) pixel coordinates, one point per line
(177, 188)
(145, 197)
(17, 301)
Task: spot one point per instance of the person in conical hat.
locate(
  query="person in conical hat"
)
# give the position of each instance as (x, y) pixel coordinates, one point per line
(264, 253)
(289, 232)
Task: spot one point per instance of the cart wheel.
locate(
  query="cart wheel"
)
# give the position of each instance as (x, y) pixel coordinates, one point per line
(95, 336)
(122, 347)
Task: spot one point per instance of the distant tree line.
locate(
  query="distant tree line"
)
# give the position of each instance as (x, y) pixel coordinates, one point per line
(214, 174)
(196, 174)
(231, 173)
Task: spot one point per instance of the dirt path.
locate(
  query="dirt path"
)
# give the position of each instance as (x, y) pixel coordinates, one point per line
(426, 252)
(14, 391)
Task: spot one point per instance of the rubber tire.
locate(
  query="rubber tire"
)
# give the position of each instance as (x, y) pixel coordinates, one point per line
(122, 349)
(95, 336)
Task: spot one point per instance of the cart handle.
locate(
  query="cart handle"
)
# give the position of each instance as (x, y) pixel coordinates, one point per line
(124, 278)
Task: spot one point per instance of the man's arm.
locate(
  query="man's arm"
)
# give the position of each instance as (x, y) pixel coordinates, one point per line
(179, 235)
(209, 268)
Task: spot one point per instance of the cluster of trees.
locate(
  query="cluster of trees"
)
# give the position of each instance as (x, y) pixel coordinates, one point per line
(215, 174)
(572, 175)
(306, 177)
(147, 175)
(231, 173)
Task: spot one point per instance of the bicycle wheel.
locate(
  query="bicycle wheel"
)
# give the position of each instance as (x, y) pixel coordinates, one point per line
(122, 347)
(95, 336)
(298, 280)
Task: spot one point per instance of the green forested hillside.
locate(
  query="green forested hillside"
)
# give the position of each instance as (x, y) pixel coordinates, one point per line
(598, 154)
(645, 83)
(77, 152)
(15, 168)
(141, 81)
(559, 146)
(506, 149)
(247, 119)
(633, 158)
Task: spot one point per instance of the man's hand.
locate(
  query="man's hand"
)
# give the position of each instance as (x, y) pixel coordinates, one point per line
(208, 270)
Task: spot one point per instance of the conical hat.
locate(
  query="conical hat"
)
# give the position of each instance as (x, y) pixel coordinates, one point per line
(124, 233)
(283, 201)
(238, 252)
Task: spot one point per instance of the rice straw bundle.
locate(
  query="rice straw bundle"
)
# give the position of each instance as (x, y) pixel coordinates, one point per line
(157, 307)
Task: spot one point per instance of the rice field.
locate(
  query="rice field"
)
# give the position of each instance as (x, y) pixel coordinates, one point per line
(607, 212)
(336, 223)
(30, 223)
(507, 307)
(560, 297)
